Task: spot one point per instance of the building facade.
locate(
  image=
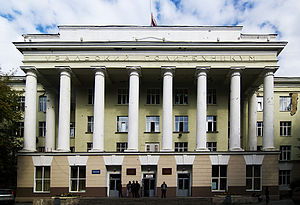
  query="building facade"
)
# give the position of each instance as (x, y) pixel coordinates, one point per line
(173, 104)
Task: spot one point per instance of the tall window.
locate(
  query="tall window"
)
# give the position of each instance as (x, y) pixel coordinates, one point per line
(21, 102)
(181, 146)
(42, 103)
(78, 178)
(152, 123)
(20, 131)
(153, 96)
(90, 124)
(212, 146)
(285, 153)
(42, 129)
(260, 103)
(72, 129)
(284, 177)
(122, 125)
(285, 103)
(259, 129)
(181, 123)
(211, 123)
(253, 177)
(219, 177)
(211, 96)
(181, 96)
(123, 96)
(89, 146)
(91, 96)
(151, 147)
(42, 179)
(286, 128)
(121, 146)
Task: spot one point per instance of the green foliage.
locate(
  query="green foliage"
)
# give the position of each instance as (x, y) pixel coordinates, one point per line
(10, 143)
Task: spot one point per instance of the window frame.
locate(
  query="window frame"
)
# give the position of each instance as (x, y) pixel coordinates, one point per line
(43, 179)
(91, 96)
(89, 146)
(259, 128)
(213, 120)
(181, 121)
(219, 177)
(90, 124)
(285, 128)
(42, 103)
(122, 96)
(119, 124)
(212, 146)
(122, 148)
(181, 146)
(21, 103)
(153, 96)
(285, 153)
(253, 177)
(149, 121)
(211, 96)
(42, 129)
(260, 103)
(284, 105)
(284, 175)
(72, 129)
(181, 96)
(153, 144)
(77, 179)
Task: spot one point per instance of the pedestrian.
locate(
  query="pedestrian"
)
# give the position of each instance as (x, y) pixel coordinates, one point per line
(128, 191)
(119, 188)
(163, 190)
(267, 193)
(133, 187)
(138, 186)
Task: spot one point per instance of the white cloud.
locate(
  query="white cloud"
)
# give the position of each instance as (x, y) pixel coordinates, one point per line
(275, 16)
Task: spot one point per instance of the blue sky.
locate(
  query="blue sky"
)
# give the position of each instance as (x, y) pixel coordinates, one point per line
(257, 16)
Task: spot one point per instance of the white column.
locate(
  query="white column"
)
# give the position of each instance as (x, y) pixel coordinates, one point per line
(99, 97)
(133, 109)
(167, 122)
(268, 113)
(201, 108)
(235, 110)
(63, 144)
(252, 122)
(30, 110)
(50, 122)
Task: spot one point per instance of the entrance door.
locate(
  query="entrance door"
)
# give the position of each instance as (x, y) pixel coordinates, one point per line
(149, 185)
(114, 180)
(183, 184)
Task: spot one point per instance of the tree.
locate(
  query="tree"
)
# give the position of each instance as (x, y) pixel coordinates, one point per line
(10, 143)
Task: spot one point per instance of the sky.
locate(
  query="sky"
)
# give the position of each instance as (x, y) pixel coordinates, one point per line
(19, 17)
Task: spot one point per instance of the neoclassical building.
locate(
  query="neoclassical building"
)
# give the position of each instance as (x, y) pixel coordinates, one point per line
(150, 104)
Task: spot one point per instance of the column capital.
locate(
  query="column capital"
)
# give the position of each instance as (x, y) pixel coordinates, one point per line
(202, 69)
(99, 70)
(134, 69)
(64, 69)
(29, 70)
(168, 69)
(270, 70)
(236, 70)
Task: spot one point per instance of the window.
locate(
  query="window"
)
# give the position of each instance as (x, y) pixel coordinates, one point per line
(285, 103)
(153, 96)
(89, 146)
(20, 131)
(42, 129)
(253, 177)
(181, 96)
(211, 97)
(41, 149)
(121, 146)
(286, 128)
(259, 129)
(72, 149)
(152, 147)
(123, 96)
(78, 178)
(42, 179)
(72, 129)
(285, 153)
(152, 123)
(211, 123)
(284, 177)
(90, 96)
(42, 103)
(259, 148)
(219, 177)
(90, 124)
(181, 146)
(212, 146)
(181, 123)
(122, 124)
(21, 102)
(260, 103)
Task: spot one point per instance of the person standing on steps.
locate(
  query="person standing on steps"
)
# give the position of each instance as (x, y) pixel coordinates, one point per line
(138, 186)
(128, 189)
(163, 190)
(119, 188)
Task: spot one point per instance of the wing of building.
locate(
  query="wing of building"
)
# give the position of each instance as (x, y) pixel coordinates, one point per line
(153, 104)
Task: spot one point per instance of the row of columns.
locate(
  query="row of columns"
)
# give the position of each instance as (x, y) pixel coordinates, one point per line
(63, 144)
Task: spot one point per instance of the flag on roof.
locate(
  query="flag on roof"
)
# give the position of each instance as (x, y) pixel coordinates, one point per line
(153, 22)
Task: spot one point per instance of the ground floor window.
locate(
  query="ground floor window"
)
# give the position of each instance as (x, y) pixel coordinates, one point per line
(284, 177)
(152, 147)
(42, 179)
(253, 177)
(212, 146)
(219, 178)
(121, 146)
(181, 146)
(78, 178)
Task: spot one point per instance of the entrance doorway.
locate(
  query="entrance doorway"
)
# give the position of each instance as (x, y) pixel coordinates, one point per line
(183, 184)
(148, 185)
(114, 180)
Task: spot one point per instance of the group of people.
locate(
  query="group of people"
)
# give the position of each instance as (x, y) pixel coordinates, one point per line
(133, 189)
